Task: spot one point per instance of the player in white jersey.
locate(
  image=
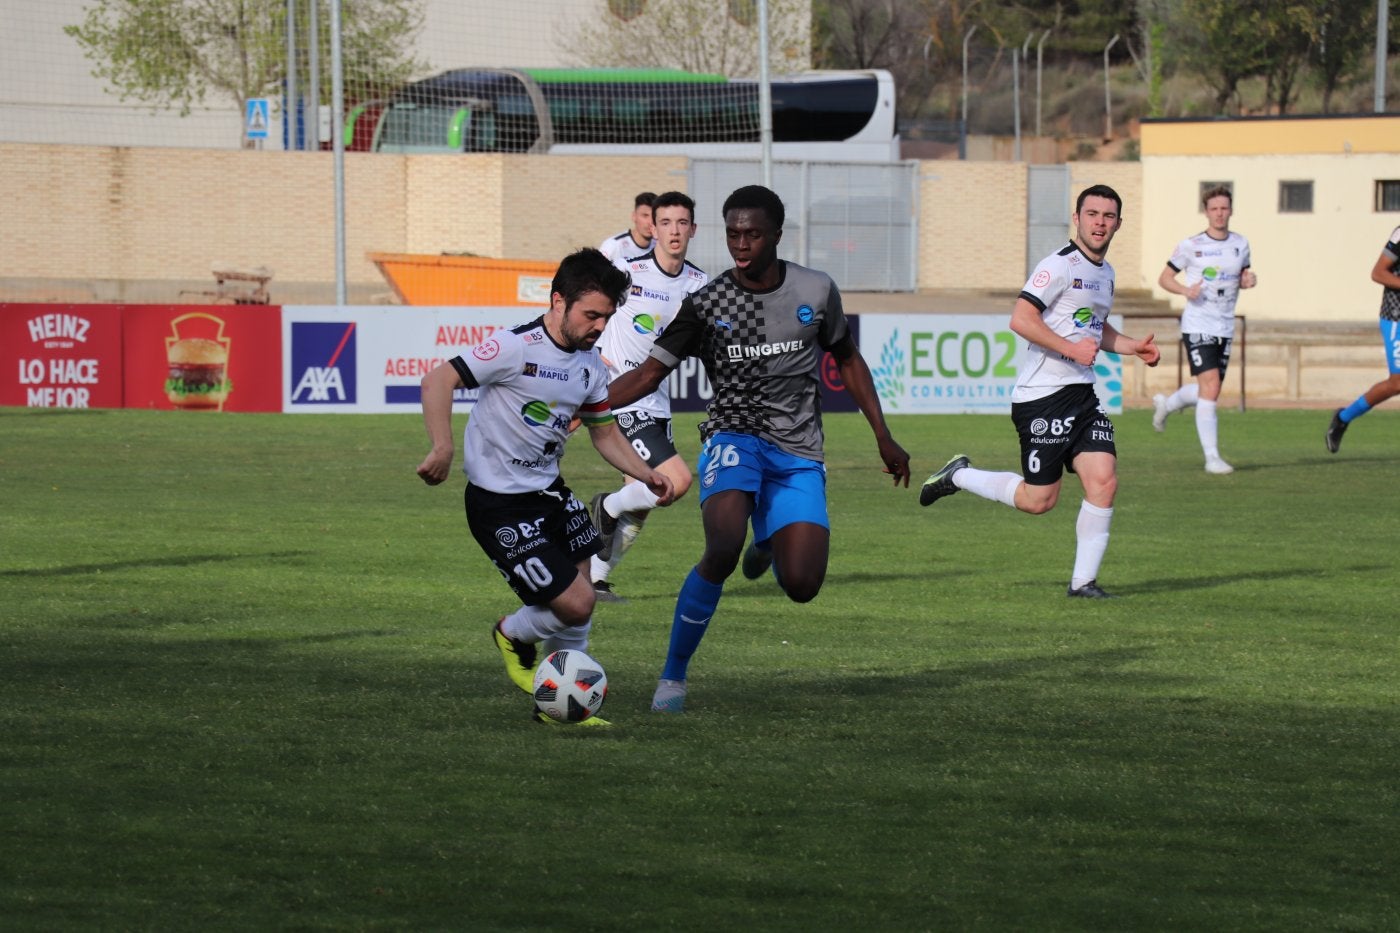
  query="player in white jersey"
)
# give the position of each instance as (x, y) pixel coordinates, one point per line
(1063, 314)
(1215, 263)
(636, 239)
(1386, 274)
(532, 382)
(661, 279)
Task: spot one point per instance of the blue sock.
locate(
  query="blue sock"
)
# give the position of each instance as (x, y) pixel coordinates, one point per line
(1355, 410)
(695, 606)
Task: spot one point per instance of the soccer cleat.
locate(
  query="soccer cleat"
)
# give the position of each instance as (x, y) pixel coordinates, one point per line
(1159, 413)
(603, 592)
(596, 721)
(606, 524)
(521, 658)
(940, 484)
(1218, 466)
(669, 696)
(756, 562)
(1090, 590)
(1335, 430)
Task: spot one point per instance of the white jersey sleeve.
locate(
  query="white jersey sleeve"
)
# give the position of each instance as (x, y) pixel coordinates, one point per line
(1074, 295)
(620, 248)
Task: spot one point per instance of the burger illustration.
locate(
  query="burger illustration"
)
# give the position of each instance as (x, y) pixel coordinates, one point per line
(198, 373)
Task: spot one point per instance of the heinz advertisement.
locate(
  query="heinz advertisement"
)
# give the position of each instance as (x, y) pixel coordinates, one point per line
(203, 358)
(60, 356)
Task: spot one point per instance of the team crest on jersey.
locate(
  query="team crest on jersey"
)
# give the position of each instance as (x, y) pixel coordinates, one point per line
(805, 314)
(488, 350)
(1042, 278)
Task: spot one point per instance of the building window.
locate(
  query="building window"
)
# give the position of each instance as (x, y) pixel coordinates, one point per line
(1388, 195)
(1211, 186)
(626, 9)
(1295, 197)
(743, 12)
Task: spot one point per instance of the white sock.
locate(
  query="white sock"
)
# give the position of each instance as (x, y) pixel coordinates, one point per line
(999, 487)
(1206, 425)
(572, 637)
(531, 624)
(1091, 536)
(1184, 397)
(632, 497)
(628, 527)
(598, 569)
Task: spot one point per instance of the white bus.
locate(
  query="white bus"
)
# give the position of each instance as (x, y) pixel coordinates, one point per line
(841, 116)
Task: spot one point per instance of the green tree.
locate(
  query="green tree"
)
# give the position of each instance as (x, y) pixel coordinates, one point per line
(172, 54)
(1228, 41)
(1342, 33)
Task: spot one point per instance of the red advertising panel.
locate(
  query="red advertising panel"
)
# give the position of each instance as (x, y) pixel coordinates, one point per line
(204, 357)
(61, 356)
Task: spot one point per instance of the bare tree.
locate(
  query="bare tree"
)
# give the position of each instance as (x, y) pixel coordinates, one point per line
(703, 36)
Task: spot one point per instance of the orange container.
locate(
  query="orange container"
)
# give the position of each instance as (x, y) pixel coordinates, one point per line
(423, 279)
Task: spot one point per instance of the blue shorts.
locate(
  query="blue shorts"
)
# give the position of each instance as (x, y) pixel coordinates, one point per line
(786, 489)
(1390, 333)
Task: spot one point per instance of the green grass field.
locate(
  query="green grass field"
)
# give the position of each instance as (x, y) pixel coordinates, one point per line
(246, 682)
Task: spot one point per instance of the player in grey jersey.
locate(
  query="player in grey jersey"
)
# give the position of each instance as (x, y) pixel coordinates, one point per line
(533, 380)
(1062, 313)
(1385, 273)
(760, 330)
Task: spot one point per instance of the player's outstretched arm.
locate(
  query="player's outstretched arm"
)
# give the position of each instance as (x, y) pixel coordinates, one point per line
(613, 447)
(1144, 349)
(855, 373)
(438, 386)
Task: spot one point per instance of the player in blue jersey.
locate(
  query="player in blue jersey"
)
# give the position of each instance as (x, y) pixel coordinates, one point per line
(533, 381)
(1062, 313)
(760, 329)
(1385, 273)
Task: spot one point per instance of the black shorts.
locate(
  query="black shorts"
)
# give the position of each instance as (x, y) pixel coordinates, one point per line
(1056, 429)
(535, 539)
(1204, 353)
(649, 436)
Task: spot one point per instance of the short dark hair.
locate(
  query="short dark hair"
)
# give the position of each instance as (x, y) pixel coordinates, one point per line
(1218, 191)
(645, 199)
(587, 270)
(674, 199)
(757, 197)
(1098, 191)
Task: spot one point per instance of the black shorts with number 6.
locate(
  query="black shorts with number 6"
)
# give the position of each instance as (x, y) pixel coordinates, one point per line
(535, 539)
(1057, 428)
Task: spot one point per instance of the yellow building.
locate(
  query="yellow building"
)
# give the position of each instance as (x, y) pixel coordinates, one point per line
(1316, 197)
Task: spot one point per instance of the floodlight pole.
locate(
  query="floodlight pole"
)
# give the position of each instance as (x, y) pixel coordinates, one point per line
(1039, 64)
(313, 71)
(289, 112)
(765, 96)
(338, 148)
(1382, 48)
(962, 128)
(1107, 98)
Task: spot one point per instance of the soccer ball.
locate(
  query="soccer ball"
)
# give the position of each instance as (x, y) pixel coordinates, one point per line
(570, 686)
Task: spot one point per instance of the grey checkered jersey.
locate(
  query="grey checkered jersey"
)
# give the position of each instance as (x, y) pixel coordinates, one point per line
(1390, 298)
(762, 352)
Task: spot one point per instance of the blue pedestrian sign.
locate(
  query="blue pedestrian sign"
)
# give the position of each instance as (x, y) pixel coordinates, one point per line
(257, 119)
